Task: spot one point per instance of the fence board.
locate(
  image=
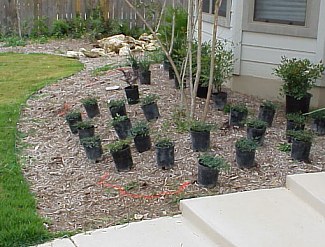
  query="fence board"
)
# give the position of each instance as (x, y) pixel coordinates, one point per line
(30, 10)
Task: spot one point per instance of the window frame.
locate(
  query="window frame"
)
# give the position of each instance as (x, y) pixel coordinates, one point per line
(308, 30)
(223, 21)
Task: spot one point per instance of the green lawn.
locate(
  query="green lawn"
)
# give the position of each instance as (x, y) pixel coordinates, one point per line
(20, 76)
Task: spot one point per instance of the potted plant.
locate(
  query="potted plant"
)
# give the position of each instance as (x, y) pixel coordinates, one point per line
(238, 114)
(134, 63)
(295, 121)
(72, 118)
(245, 152)
(266, 112)
(93, 147)
(256, 130)
(144, 70)
(85, 129)
(132, 90)
(318, 123)
(150, 107)
(141, 135)
(209, 167)
(121, 153)
(224, 67)
(301, 144)
(122, 126)
(117, 107)
(200, 135)
(91, 106)
(165, 153)
(299, 76)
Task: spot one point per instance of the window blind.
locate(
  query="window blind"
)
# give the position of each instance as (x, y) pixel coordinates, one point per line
(279, 11)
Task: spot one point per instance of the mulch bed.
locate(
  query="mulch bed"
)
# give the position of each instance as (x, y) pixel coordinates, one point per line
(74, 193)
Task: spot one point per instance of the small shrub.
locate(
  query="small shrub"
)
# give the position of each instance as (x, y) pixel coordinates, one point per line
(239, 108)
(118, 119)
(89, 101)
(140, 128)
(116, 103)
(118, 145)
(214, 162)
(164, 142)
(301, 135)
(268, 105)
(246, 145)
(296, 118)
(91, 142)
(200, 126)
(60, 28)
(72, 115)
(149, 99)
(256, 123)
(84, 124)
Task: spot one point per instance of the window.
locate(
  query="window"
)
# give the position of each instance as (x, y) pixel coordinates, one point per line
(208, 7)
(283, 17)
(292, 12)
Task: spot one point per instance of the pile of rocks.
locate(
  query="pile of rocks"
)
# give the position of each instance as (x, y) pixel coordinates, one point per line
(119, 44)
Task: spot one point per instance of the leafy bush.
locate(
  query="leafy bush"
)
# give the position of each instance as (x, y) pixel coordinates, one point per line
(200, 126)
(60, 28)
(256, 123)
(149, 99)
(118, 145)
(140, 128)
(246, 145)
(214, 162)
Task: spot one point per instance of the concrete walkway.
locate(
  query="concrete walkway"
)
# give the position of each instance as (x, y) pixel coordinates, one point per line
(282, 217)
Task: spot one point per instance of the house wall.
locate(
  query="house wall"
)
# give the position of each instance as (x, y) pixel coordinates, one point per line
(258, 53)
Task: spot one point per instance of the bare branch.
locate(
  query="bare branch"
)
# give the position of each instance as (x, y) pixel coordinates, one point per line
(212, 61)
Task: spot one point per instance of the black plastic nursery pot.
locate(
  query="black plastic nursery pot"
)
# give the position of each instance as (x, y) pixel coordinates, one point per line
(171, 73)
(166, 65)
(123, 128)
(300, 150)
(151, 111)
(87, 132)
(92, 110)
(219, 100)
(165, 156)
(256, 135)
(200, 140)
(207, 176)
(267, 115)
(117, 111)
(72, 123)
(202, 92)
(145, 77)
(94, 153)
(123, 159)
(245, 159)
(293, 126)
(298, 105)
(142, 143)
(318, 126)
(132, 94)
(177, 85)
(237, 118)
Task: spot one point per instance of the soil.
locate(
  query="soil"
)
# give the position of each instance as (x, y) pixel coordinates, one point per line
(74, 193)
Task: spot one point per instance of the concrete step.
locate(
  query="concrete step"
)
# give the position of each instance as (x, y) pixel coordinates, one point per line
(162, 232)
(310, 188)
(274, 217)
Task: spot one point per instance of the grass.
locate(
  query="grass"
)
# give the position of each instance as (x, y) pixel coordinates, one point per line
(20, 76)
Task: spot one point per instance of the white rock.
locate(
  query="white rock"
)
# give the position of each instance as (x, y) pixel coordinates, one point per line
(124, 51)
(100, 51)
(75, 54)
(112, 88)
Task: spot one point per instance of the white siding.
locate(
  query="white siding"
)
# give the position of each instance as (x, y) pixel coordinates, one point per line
(262, 52)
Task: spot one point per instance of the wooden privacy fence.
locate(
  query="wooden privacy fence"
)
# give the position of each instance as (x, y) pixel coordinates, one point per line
(24, 12)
